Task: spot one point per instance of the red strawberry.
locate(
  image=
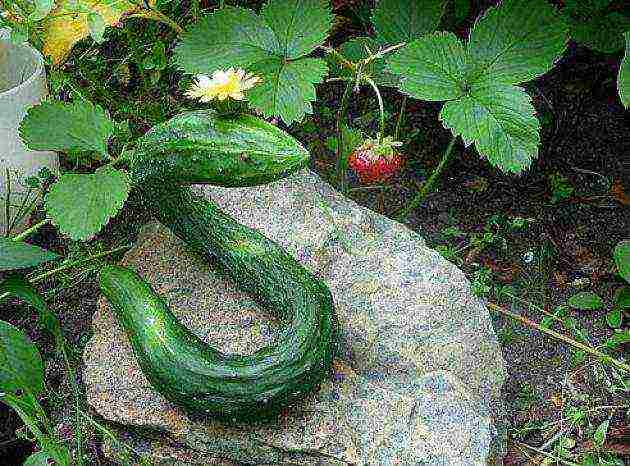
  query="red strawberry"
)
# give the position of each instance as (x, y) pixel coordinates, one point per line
(375, 161)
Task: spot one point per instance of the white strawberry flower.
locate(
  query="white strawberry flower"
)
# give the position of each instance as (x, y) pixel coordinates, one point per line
(230, 84)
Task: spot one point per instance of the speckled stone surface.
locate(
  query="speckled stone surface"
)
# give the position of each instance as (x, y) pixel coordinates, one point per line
(418, 378)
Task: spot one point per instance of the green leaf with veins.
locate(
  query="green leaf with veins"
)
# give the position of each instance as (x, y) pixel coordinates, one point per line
(228, 37)
(18, 287)
(399, 21)
(21, 367)
(513, 42)
(16, 255)
(271, 45)
(81, 204)
(623, 80)
(300, 26)
(431, 68)
(358, 49)
(586, 301)
(288, 88)
(501, 120)
(517, 41)
(67, 127)
(594, 24)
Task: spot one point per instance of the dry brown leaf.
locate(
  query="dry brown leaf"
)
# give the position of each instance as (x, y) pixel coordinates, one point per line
(617, 191)
(68, 23)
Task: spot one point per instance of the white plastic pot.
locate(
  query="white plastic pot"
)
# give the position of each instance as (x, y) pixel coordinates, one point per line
(22, 85)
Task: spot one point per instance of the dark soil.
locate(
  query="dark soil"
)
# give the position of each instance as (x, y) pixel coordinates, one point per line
(564, 246)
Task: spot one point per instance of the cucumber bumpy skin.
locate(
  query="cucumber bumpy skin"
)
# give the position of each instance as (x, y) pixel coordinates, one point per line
(189, 372)
(204, 147)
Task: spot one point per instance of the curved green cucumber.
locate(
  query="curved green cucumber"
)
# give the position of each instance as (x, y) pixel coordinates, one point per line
(185, 369)
(205, 147)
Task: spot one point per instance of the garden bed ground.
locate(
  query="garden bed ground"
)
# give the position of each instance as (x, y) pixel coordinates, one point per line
(540, 237)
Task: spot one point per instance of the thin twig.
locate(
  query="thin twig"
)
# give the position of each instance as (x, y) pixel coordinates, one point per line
(562, 337)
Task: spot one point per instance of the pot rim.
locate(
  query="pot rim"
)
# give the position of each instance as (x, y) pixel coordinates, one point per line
(37, 72)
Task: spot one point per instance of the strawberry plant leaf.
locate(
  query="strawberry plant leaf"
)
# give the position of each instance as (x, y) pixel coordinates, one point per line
(59, 126)
(501, 121)
(592, 23)
(287, 88)
(357, 49)
(399, 21)
(21, 367)
(586, 301)
(623, 80)
(621, 254)
(15, 255)
(228, 37)
(516, 41)
(271, 45)
(70, 22)
(300, 26)
(432, 67)
(81, 204)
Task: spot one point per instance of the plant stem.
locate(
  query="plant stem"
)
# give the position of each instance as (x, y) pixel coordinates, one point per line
(160, 17)
(544, 453)
(381, 107)
(72, 376)
(428, 186)
(26, 233)
(401, 117)
(339, 58)
(70, 265)
(342, 157)
(562, 337)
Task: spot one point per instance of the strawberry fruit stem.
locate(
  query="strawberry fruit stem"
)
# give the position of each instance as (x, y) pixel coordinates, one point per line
(428, 186)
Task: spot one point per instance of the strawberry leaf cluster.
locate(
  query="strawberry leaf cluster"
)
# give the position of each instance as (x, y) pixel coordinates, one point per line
(514, 42)
(273, 45)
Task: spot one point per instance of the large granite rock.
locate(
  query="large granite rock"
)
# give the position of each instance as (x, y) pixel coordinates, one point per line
(419, 376)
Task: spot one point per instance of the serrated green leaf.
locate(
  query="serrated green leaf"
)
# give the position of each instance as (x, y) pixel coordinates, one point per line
(287, 88)
(81, 204)
(586, 301)
(517, 41)
(21, 367)
(593, 24)
(79, 126)
(269, 46)
(432, 67)
(15, 255)
(299, 25)
(358, 49)
(399, 21)
(621, 254)
(18, 287)
(623, 79)
(228, 37)
(500, 120)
